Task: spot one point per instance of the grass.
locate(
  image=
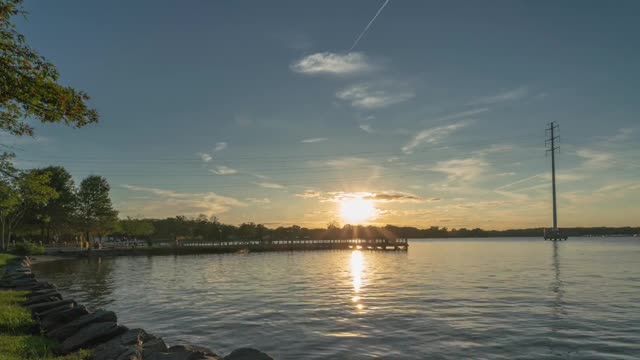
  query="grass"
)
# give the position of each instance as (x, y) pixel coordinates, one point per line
(4, 258)
(16, 342)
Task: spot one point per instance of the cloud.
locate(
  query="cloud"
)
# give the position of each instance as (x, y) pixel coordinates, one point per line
(258, 201)
(594, 159)
(270, 185)
(432, 136)
(392, 196)
(368, 96)
(333, 63)
(220, 146)
(313, 140)
(510, 95)
(366, 128)
(309, 194)
(223, 170)
(205, 157)
(344, 162)
(462, 169)
(171, 203)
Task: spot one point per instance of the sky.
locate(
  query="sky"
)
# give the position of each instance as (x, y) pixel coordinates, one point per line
(433, 113)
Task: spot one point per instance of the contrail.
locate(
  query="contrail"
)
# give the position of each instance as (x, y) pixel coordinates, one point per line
(368, 26)
(518, 182)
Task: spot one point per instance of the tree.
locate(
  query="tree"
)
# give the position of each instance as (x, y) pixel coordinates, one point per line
(29, 85)
(94, 211)
(138, 228)
(56, 215)
(24, 191)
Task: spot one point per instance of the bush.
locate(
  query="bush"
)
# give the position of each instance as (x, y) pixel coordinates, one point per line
(27, 248)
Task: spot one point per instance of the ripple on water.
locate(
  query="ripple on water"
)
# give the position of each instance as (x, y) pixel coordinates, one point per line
(491, 299)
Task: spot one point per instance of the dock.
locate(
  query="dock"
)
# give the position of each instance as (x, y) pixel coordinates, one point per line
(185, 247)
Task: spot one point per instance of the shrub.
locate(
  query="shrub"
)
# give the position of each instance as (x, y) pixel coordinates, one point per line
(27, 248)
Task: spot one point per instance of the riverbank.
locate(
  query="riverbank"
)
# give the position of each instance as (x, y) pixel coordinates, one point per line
(74, 332)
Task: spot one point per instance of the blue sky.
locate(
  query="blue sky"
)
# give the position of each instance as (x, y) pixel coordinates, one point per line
(258, 111)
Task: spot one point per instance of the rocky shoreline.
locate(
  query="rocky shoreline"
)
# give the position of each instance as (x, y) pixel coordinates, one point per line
(75, 327)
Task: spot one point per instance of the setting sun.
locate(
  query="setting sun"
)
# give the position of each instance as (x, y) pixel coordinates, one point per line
(357, 210)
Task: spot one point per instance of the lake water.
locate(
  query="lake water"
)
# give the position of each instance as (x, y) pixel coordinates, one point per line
(442, 299)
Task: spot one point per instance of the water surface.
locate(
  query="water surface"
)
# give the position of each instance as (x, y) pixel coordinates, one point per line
(443, 299)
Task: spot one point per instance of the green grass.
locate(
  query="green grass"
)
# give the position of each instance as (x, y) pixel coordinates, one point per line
(26, 347)
(4, 258)
(14, 319)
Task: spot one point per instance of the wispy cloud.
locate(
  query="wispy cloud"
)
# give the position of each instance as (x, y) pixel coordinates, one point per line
(270, 185)
(462, 169)
(344, 162)
(223, 170)
(595, 159)
(355, 43)
(258, 200)
(171, 203)
(309, 194)
(205, 157)
(220, 146)
(366, 128)
(513, 94)
(394, 196)
(333, 64)
(370, 96)
(432, 136)
(313, 140)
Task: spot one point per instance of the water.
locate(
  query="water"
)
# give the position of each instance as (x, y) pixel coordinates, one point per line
(443, 299)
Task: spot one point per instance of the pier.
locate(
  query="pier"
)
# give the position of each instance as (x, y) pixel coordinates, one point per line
(185, 247)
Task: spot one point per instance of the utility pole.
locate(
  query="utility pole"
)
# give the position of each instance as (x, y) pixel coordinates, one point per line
(551, 142)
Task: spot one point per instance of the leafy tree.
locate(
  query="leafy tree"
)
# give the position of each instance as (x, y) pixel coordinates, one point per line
(29, 83)
(25, 191)
(56, 216)
(138, 228)
(94, 211)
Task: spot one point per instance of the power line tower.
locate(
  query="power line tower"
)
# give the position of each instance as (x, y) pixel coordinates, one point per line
(555, 233)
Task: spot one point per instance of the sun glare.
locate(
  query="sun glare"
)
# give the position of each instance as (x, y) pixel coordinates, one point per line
(357, 210)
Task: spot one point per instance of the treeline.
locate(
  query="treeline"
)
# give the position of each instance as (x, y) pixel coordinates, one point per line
(46, 205)
(204, 228)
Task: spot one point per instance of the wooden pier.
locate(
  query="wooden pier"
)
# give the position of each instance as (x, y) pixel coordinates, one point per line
(183, 247)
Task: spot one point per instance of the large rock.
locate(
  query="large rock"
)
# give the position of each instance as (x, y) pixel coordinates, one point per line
(126, 346)
(48, 297)
(65, 331)
(40, 308)
(247, 354)
(53, 320)
(91, 335)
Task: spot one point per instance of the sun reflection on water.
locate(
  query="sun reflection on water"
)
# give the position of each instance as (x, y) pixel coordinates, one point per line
(357, 266)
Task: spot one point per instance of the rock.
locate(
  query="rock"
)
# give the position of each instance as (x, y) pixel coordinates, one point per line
(126, 346)
(65, 331)
(35, 286)
(182, 352)
(53, 320)
(55, 310)
(49, 297)
(91, 335)
(41, 292)
(40, 308)
(154, 345)
(247, 354)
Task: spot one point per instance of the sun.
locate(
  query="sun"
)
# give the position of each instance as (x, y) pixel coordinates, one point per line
(357, 210)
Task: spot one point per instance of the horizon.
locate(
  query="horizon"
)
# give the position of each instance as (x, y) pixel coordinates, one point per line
(406, 113)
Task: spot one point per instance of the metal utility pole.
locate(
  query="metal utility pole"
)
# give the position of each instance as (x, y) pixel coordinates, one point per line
(551, 141)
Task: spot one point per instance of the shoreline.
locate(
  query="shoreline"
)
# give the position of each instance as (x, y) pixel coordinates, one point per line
(77, 328)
